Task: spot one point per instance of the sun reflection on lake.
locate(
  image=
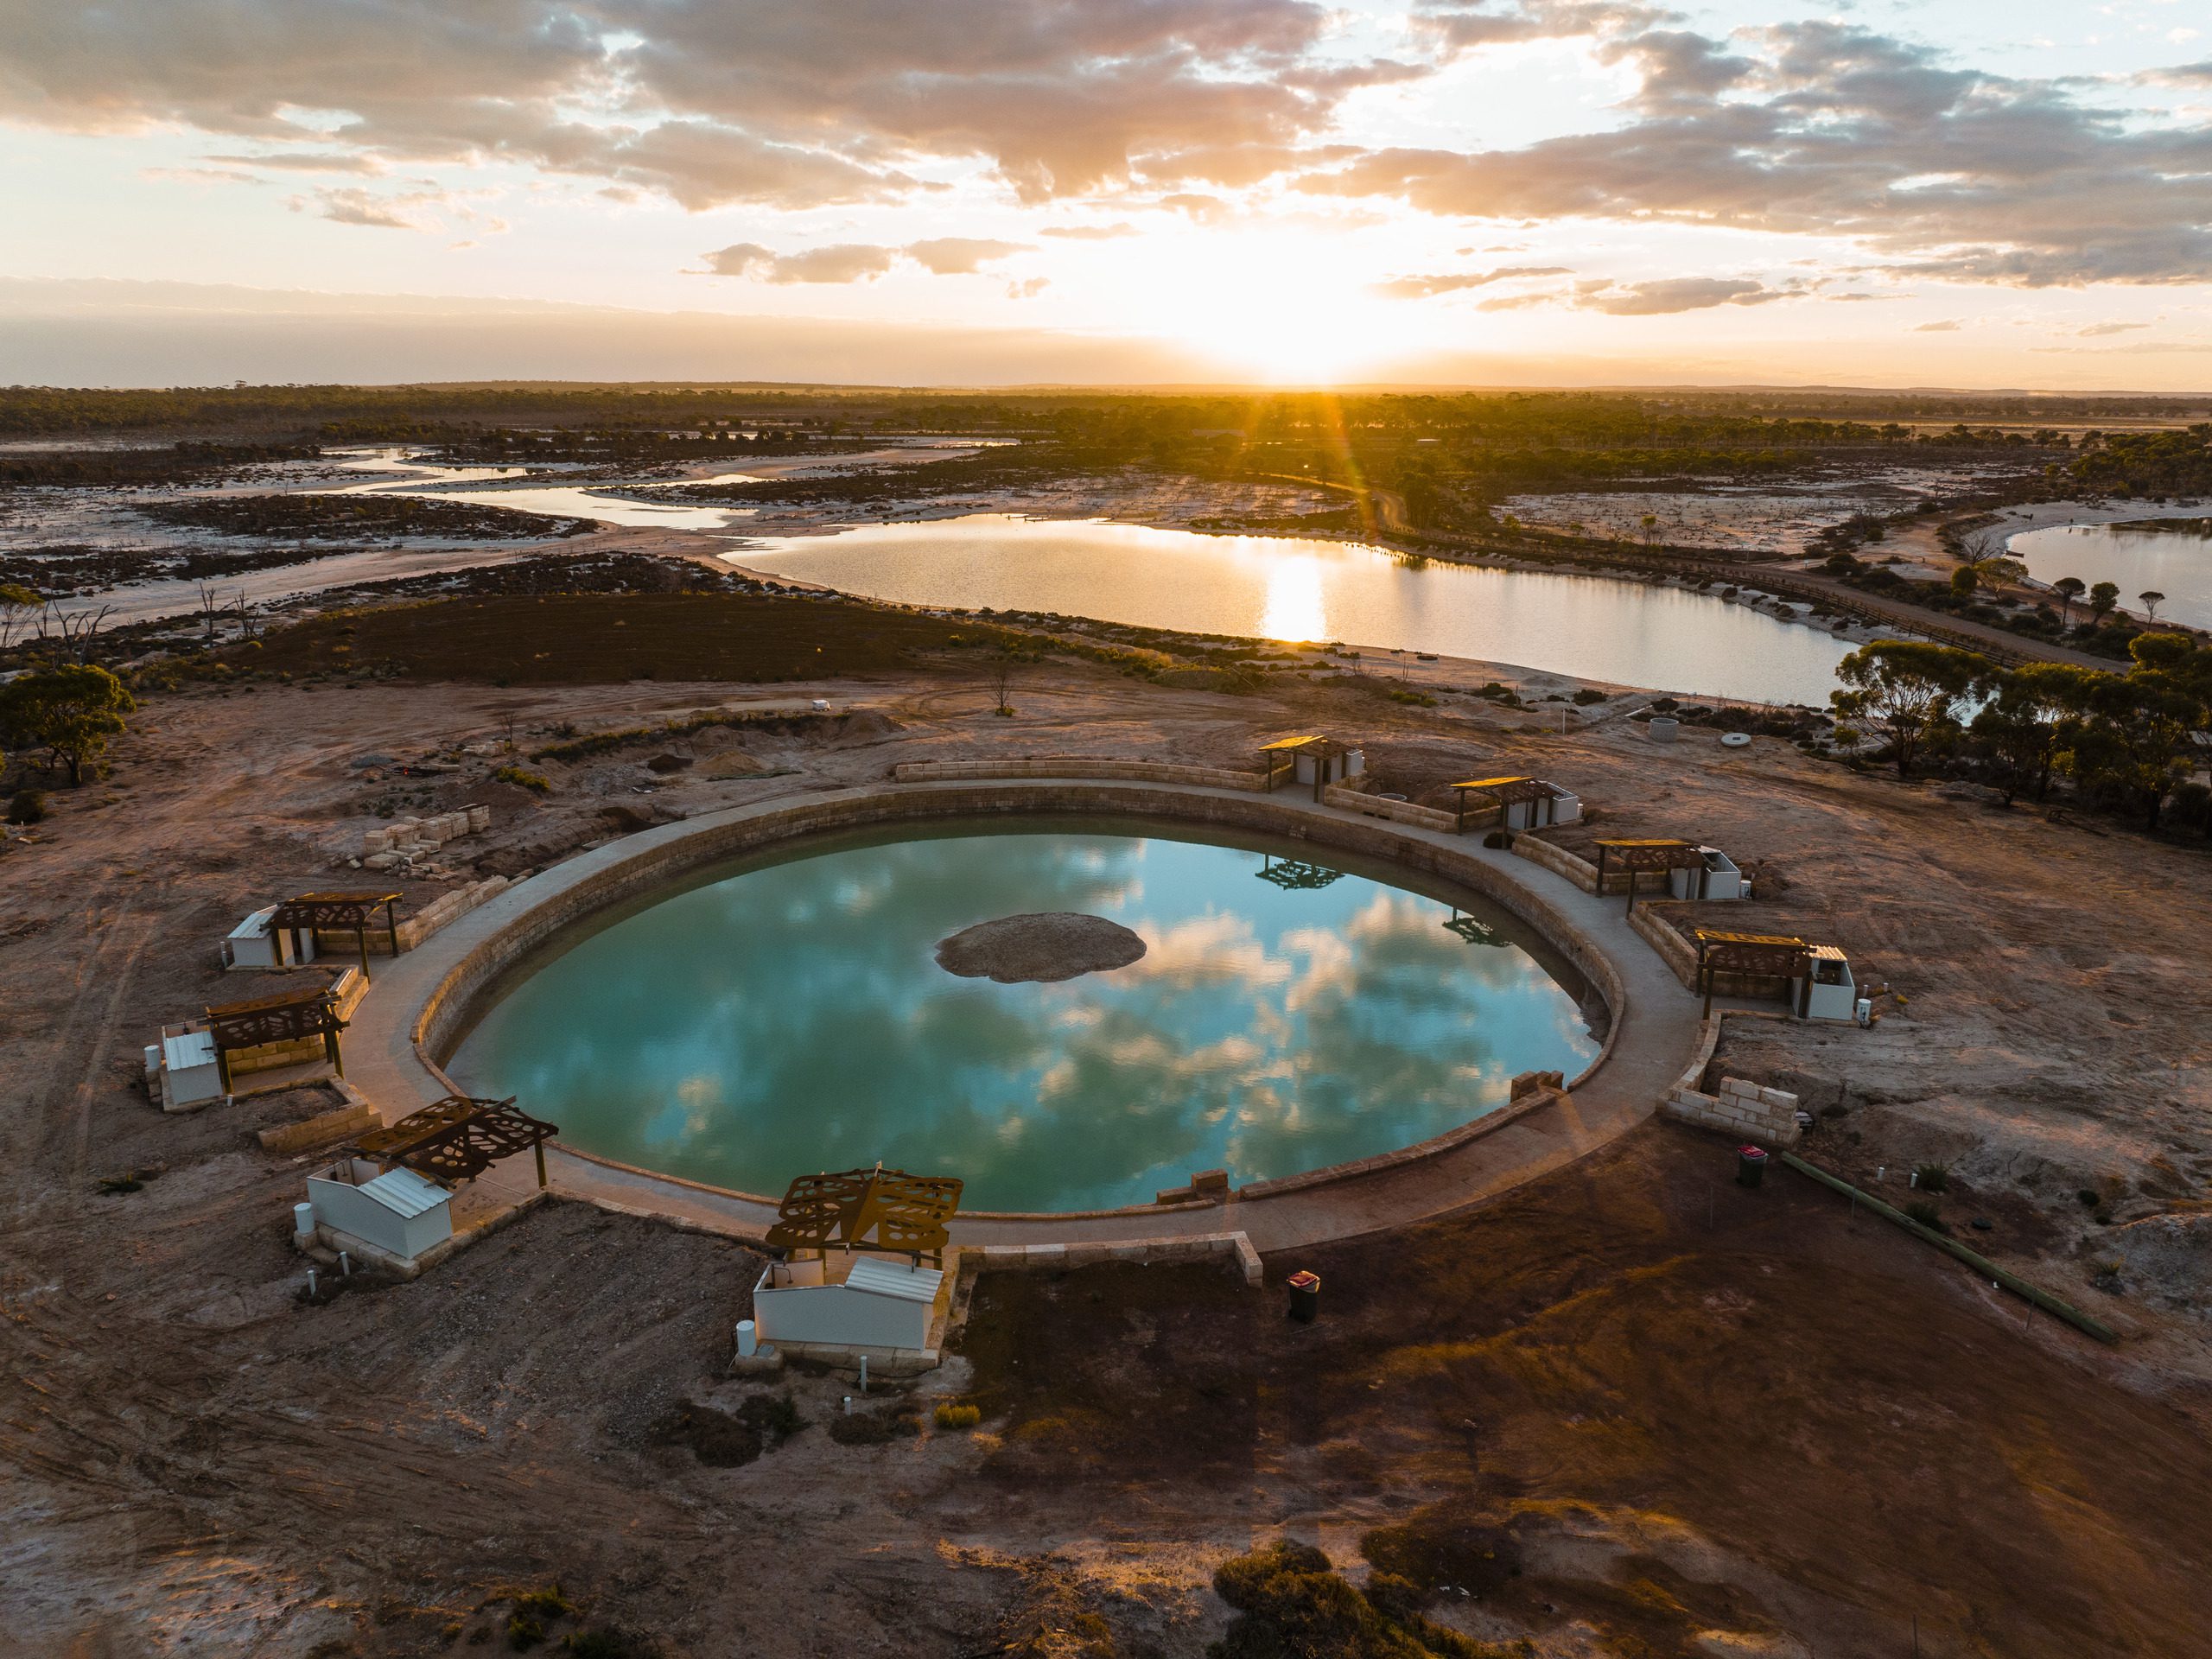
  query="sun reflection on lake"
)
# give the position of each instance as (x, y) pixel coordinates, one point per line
(1294, 608)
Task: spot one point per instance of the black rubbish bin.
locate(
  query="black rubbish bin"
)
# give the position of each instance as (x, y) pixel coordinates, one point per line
(1305, 1296)
(1750, 1166)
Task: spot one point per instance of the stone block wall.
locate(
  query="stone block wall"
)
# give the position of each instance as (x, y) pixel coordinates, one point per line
(1768, 1116)
(1139, 772)
(447, 907)
(1058, 1258)
(1537, 850)
(1425, 818)
(1650, 921)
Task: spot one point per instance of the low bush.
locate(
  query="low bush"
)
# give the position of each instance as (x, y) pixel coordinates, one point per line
(1927, 1213)
(27, 807)
(1291, 1604)
(950, 1416)
(1932, 1177)
(523, 778)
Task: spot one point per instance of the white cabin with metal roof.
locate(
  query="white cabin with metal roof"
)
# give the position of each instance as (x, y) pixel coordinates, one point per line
(848, 1300)
(394, 1211)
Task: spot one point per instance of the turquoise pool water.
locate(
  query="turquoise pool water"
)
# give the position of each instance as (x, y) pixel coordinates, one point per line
(788, 1016)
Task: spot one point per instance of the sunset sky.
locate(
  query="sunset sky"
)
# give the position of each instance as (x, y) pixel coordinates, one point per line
(1947, 192)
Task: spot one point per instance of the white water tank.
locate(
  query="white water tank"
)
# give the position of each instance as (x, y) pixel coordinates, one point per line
(1663, 728)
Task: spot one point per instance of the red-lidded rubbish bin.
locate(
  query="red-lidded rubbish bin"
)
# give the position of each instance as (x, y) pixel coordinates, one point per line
(1305, 1296)
(1750, 1166)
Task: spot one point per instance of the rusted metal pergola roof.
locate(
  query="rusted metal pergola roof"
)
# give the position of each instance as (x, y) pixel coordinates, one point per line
(1654, 855)
(284, 1017)
(1777, 955)
(457, 1138)
(337, 911)
(1508, 791)
(883, 1210)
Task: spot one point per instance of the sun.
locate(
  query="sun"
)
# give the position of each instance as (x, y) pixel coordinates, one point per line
(1277, 306)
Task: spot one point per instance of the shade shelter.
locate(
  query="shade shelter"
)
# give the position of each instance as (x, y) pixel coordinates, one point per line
(886, 1211)
(259, 943)
(290, 1018)
(1522, 803)
(457, 1138)
(1748, 955)
(340, 913)
(842, 1295)
(1636, 856)
(1312, 760)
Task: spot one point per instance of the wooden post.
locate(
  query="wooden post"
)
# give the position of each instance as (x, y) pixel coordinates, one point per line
(540, 1150)
(331, 1049)
(1705, 973)
(361, 940)
(223, 1068)
(391, 927)
(1630, 911)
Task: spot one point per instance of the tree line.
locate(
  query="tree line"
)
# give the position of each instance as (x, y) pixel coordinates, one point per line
(2126, 743)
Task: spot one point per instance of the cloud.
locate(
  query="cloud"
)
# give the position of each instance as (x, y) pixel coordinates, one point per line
(777, 102)
(1028, 288)
(1088, 232)
(409, 211)
(1419, 288)
(843, 262)
(1673, 294)
(857, 262)
(1830, 129)
(960, 256)
(303, 160)
(1947, 326)
(2096, 329)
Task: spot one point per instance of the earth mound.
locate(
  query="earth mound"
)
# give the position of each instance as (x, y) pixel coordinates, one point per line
(1038, 949)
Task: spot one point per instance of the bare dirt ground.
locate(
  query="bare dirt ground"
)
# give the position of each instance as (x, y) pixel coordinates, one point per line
(1628, 1409)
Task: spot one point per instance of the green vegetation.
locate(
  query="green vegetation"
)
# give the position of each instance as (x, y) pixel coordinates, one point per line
(1291, 1604)
(522, 778)
(358, 517)
(1932, 1177)
(70, 712)
(28, 806)
(2144, 463)
(2125, 741)
(950, 1416)
(570, 638)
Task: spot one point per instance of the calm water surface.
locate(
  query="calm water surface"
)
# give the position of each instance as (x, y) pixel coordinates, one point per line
(1283, 588)
(792, 1017)
(2176, 562)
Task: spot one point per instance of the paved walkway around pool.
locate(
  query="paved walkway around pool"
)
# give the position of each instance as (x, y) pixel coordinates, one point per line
(1654, 1036)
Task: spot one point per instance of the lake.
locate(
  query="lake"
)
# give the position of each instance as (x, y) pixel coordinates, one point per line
(2173, 561)
(1285, 588)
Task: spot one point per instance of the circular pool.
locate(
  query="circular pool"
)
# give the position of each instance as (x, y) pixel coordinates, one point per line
(1289, 1009)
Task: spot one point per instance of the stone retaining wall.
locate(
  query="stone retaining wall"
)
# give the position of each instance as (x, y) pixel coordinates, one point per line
(1649, 920)
(1136, 772)
(1558, 860)
(1426, 818)
(1741, 1109)
(1143, 1252)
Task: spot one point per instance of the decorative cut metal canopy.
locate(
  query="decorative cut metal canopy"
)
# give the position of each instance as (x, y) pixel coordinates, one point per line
(1637, 856)
(287, 1017)
(1505, 791)
(457, 1138)
(338, 911)
(1757, 956)
(882, 1209)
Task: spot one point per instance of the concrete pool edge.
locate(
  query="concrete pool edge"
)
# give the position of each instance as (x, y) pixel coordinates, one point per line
(422, 1003)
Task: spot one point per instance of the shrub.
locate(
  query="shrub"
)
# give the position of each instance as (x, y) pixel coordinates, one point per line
(606, 1643)
(1933, 1178)
(525, 778)
(1588, 694)
(873, 1428)
(27, 807)
(2087, 1199)
(948, 1416)
(523, 1632)
(1290, 1604)
(1927, 1213)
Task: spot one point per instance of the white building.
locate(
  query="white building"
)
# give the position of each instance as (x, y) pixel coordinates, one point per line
(853, 1302)
(1828, 992)
(394, 1212)
(255, 943)
(1718, 878)
(182, 1072)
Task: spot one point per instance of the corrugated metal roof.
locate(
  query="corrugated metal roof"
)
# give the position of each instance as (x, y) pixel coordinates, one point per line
(893, 1278)
(406, 1193)
(1828, 953)
(181, 1053)
(255, 926)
